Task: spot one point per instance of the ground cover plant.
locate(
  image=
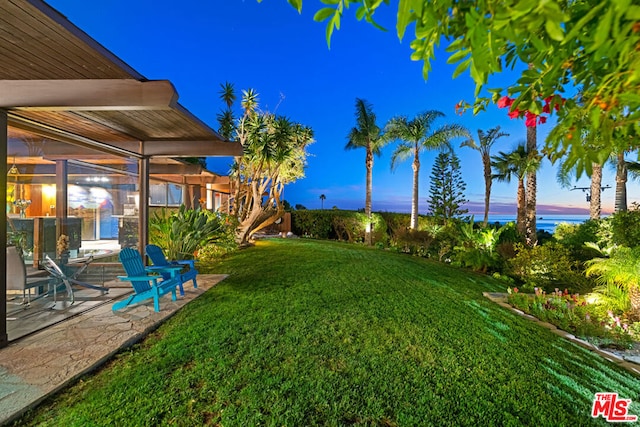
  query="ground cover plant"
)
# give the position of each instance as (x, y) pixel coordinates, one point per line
(307, 332)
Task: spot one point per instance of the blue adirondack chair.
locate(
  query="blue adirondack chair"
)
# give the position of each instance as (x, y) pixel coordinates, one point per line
(145, 285)
(159, 260)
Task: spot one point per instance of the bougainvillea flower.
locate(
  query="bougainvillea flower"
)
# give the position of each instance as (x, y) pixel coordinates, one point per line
(514, 114)
(505, 101)
(542, 120)
(530, 119)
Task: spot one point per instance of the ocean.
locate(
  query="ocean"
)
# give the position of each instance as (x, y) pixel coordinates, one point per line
(544, 222)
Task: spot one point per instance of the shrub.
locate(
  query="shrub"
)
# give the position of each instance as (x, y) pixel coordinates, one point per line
(414, 242)
(548, 266)
(625, 228)
(574, 237)
(337, 224)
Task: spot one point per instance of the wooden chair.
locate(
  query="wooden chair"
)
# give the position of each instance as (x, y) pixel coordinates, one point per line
(144, 285)
(159, 260)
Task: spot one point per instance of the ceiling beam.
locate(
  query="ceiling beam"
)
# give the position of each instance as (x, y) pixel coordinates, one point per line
(191, 148)
(87, 94)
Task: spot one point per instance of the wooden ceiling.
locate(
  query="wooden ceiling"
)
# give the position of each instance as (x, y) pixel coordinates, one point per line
(38, 43)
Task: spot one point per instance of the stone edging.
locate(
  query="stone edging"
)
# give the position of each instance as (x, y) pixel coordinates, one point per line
(630, 365)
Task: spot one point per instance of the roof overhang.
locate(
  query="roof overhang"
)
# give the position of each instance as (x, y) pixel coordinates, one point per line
(64, 82)
(87, 95)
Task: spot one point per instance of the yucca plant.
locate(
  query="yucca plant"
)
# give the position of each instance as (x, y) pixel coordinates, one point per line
(618, 279)
(181, 234)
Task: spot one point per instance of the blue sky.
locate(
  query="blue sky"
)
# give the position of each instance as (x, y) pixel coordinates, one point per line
(199, 44)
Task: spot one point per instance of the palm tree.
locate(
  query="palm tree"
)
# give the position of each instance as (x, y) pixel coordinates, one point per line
(416, 135)
(485, 142)
(366, 134)
(519, 163)
(322, 199)
(532, 188)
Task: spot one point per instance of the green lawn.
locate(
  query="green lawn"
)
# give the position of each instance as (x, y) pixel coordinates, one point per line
(320, 333)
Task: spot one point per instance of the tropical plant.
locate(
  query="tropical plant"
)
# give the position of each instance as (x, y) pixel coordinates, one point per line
(181, 234)
(517, 163)
(416, 135)
(366, 134)
(446, 193)
(562, 45)
(619, 275)
(477, 248)
(274, 155)
(322, 199)
(484, 144)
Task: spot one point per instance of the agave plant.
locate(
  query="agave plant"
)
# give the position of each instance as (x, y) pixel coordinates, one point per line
(181, 234)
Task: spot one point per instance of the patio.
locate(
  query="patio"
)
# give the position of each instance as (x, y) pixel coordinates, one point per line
(44, 362)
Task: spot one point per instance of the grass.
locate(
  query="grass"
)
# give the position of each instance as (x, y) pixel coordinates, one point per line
(320, 333)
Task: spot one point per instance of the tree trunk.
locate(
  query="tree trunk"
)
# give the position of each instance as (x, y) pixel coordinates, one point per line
(486, 162)
(521, 216)
(532, 187)
(595, 203)
(367, 203)
(621, 184)
(415, 199)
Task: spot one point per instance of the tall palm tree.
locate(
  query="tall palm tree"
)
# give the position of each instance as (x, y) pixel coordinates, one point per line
(485, 142)
(322, 199)
(532, 188)
(621, 182)
(518, 163)
(416, 135)
(366, 134)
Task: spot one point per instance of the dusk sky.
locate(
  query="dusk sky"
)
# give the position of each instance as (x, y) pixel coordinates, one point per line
(198, 44)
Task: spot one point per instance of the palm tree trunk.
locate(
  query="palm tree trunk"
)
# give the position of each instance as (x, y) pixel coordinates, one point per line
(367, 203)
(414, 199)
(634, 297)
(521, 215)
(621, 184)
(532, 188)
(595, 204)
(486, 161)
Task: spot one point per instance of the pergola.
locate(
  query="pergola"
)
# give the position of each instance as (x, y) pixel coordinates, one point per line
(57, 82)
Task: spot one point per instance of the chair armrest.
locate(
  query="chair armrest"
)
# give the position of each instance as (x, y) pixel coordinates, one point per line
(162, 268)
(139, 278)
(188, 262)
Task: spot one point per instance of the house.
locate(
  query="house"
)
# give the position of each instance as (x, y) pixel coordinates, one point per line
(88, 140)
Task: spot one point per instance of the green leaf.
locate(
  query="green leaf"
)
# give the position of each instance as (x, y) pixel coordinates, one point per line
(404, 17)
(633, 13)
(583, 21)
(554, 30)
(329, 1)
(462, 66)
(360, 13)
(602, 31)
(323, 14)
(297, 4)
(457, 56)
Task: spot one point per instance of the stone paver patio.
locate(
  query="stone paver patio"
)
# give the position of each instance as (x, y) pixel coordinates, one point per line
(41, 364)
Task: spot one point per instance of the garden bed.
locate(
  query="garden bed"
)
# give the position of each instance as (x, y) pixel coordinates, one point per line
(628, 358)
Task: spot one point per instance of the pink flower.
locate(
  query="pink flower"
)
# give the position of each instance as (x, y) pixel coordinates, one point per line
(515, 290)
(530, 121)
(505, 101)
